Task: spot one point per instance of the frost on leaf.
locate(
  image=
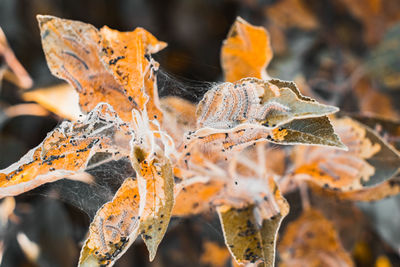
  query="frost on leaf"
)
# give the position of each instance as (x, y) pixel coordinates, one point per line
(235, 115)
(155, 179)
(311, 240)
(246, 52)
(66, 150)
(270, 103)
(250, 231)
(126, 54)
(179, 117)
(369, 161)
(75, 52)
(114, 227)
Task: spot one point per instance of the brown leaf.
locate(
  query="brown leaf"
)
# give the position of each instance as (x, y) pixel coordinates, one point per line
(156, 182)
(114, 227)
(369, 161)
(250, 231)
(311, 240)
(246, 52)
(66, 150)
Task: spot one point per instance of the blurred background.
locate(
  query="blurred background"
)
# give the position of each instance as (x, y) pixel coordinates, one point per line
(341, 52)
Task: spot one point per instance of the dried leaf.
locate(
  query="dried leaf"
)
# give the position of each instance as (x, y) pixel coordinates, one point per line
(369, 161)
(156, 183)
(240, 114)
(66, 150)
(49, 98)
(250, 232)
(311, 240)
(386, 189)
(196, 198)
(388, 129)
(270, 103)
(179, 117)
(246, 52)
(126, 55)
(73, 53)
(114, 228)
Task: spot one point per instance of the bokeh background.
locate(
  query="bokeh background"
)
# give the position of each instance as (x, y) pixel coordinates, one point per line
(342, 52)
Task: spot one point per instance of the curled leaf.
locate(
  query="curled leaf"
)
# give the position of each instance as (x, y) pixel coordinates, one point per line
(386, 189)
(126, 54)
(369, 161)
(270, 103)
(73, 53)
(311, 240)
(250, 232)
(66, 150)
(156, 183)
(114, 228)
(246, 52)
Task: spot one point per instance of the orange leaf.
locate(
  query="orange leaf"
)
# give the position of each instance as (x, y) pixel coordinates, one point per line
(65, 151)
(196, 198)
(155, 179)
(369, 161)
(312, 241)
(214, 255)
(246, 52)
(127, 56)
(114, 228)
(73, 53)
(49, 98)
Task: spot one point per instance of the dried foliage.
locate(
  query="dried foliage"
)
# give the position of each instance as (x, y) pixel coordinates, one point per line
(224, 153)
